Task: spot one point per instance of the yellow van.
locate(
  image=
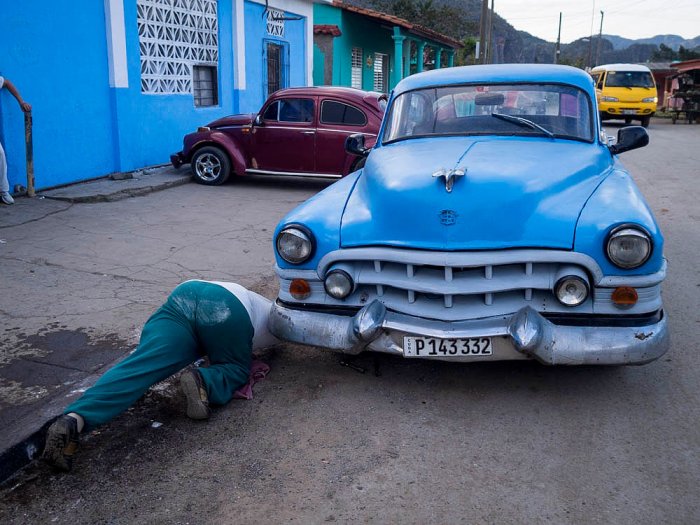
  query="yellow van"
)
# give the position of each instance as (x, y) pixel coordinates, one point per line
(625, 91)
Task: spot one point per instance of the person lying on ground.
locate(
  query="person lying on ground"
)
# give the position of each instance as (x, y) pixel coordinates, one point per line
(221, 321)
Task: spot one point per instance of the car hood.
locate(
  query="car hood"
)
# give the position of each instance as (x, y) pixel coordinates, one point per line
(232, 120)
(516, 193)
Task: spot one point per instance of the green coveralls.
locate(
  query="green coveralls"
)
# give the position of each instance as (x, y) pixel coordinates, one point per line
(199, 318)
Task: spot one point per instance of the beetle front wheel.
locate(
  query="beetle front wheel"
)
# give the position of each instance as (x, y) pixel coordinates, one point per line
(210, 166)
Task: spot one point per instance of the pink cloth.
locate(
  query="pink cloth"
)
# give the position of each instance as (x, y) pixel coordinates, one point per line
(258, 371)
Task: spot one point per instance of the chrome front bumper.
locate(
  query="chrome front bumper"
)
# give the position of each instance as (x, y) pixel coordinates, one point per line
(523, 335)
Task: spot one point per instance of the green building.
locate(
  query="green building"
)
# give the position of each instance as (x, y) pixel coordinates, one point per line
(359, 47)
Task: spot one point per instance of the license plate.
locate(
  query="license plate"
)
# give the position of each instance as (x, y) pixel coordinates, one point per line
(629, 111)
(436, 347)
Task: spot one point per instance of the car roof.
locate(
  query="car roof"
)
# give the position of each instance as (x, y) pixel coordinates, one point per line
(369, 99)
(497, 73)
(621, 67)
(327, 91)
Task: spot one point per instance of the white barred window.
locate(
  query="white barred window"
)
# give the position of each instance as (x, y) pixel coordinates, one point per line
(380, 63)
(174, 36)
(356, 65)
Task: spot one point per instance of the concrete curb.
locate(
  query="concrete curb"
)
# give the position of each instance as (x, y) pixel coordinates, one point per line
(126, 185)
(21, 454)
(120, 194)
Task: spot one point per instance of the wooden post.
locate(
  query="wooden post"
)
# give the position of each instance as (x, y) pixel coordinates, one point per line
(29, 149)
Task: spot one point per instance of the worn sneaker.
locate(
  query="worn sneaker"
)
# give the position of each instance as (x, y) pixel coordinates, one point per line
(61, 443)
(6, 198)
(192, 386)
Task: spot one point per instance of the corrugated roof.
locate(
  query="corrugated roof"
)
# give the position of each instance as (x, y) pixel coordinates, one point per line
(415, 29)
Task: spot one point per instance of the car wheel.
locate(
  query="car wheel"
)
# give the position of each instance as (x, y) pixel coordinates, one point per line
(210, 166)
(645, 121)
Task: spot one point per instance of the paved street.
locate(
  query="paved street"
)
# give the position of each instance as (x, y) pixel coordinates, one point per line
(417, 442)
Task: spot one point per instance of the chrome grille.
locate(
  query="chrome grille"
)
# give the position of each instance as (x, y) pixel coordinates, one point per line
(461, 285)
(474, 283)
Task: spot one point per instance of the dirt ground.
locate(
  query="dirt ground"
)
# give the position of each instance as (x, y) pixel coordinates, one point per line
(407, 441)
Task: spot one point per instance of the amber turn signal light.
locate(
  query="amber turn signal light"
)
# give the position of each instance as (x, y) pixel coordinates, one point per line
(300, 289)
(624, 296)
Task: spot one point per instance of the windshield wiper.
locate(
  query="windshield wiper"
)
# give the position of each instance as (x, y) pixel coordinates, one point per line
(523, 122)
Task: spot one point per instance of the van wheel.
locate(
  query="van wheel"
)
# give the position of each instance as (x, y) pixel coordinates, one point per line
(645, 121)
(628, 120)
(210, 166)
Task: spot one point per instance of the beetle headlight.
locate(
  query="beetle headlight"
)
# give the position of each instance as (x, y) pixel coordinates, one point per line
(628, 247)
(609, 99)
(338, 284)
(650, 99)
(571, 290)
(294, 244)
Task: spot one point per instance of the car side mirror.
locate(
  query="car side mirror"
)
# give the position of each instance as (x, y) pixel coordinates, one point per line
(631, 137)
(258, 121)
(355, 144)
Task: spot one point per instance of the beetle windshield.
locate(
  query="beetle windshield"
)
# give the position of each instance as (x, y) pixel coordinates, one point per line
(551, 110)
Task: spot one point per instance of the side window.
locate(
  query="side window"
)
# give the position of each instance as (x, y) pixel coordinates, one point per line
(338, 113)
(296, 110)
(271, 111)
(601, 81)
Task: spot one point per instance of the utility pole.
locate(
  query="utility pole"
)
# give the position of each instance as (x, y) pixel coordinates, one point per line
(590, 39)
(482, 31)
(556, 49)
(489, 39)
(600, 37)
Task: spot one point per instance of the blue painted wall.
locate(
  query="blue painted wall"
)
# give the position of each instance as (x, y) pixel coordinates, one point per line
(151, 126)
(55, 53)
(255, 37)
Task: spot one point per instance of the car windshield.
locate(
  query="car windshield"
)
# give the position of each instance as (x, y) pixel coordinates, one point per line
(629, 79)
(550, 110)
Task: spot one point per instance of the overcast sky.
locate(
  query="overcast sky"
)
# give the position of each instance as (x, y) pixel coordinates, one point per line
(626, 18)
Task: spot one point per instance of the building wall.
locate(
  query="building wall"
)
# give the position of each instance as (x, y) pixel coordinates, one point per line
(151, 126)
(55, 54)
(297, 70)
(357, 31)
(79, 65)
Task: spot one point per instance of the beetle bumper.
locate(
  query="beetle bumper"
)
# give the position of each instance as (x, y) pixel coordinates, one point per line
(177, 159)
(523, 335)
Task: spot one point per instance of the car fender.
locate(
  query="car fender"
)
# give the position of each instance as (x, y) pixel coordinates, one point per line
(617, 201)
(231, 146)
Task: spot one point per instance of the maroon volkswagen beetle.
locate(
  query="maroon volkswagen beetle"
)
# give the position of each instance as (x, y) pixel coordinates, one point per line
(298, 132)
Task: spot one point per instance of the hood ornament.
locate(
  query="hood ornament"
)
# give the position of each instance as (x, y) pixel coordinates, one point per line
(450, 176)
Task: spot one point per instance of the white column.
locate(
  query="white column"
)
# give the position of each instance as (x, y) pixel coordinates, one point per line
(239, 81)
(116, 44)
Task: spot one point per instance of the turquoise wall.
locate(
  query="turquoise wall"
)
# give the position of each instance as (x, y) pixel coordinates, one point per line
(357, 31)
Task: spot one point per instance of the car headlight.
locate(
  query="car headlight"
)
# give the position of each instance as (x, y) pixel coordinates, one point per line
(628, 247)
(295, 244)
(571, 290)
(609, 99)
(338, 284)
(650, 99)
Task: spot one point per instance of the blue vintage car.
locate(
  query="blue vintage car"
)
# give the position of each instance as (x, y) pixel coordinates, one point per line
(492, 221)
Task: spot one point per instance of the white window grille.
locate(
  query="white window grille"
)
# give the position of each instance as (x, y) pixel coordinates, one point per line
(380, 72)
(275, 22)
(356, 65)
(175, 35)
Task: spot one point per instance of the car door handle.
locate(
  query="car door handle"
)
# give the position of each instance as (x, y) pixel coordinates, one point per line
(308, 132)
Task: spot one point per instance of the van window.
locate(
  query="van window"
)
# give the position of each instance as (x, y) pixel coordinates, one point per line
(629, 79)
